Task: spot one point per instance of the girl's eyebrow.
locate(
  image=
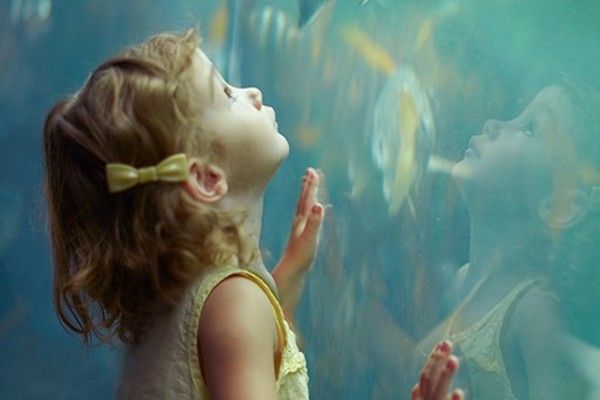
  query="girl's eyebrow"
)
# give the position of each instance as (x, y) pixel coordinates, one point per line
(537, 110)
(211, 77)
(545, 111)
(215, 78)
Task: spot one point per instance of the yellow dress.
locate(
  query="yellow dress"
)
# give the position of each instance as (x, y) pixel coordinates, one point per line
(480, 345)
(165, 364)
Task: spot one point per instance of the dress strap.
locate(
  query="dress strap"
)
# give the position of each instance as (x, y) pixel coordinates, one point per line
(279, 317)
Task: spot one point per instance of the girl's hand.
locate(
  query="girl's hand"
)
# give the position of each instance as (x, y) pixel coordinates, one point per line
(302, 243)
(437, 375)
(300, 252)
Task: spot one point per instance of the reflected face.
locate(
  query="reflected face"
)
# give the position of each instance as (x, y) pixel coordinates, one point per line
(515, 160)
(245, 128)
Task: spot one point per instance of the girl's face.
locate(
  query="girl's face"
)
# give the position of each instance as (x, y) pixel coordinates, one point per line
(245, 128)
(513, 163)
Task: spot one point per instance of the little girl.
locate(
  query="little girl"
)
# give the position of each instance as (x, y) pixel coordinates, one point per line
(531, 187)
(155, 174)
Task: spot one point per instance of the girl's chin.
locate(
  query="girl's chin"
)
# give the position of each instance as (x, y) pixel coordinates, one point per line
(461, 171)
(285, 147)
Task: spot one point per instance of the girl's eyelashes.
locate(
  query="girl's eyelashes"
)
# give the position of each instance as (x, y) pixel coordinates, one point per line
(229, 93)
(528, 129)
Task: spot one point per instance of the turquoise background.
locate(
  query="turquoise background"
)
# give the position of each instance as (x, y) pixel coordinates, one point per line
(472, 60)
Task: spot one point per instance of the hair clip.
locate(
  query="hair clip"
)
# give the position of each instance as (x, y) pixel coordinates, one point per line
(122, 176)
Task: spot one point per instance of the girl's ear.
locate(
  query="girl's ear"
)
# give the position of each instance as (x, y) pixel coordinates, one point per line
(573, 206)
(207, 182)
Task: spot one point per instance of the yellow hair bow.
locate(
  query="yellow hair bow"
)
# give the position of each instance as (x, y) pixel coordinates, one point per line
(122, 176)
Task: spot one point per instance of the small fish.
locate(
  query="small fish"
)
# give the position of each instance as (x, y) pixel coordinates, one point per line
(219, 26)
(373, 54)
(274, 28)
(309, 10)
(424, 34)
(30, 10)
(253, 28)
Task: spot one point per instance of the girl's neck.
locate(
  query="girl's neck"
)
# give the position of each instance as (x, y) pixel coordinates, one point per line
(252, 205)
(506, 249)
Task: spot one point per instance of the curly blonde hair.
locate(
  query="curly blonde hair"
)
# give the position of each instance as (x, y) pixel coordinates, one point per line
(121, 259)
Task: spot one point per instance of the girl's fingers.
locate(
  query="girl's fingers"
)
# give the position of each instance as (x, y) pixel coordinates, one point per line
(424, 382)
(437, 370)
(437, 374)
(311, 229)
(308, 194)
(458, 394)
(434, 374)
(445, 377)
(311, 191)
(428, 371)
(415, 394)
(302, 196)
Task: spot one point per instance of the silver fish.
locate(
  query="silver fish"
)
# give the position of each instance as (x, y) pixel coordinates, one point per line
(310, 9)
(30, 10)
(268, 31)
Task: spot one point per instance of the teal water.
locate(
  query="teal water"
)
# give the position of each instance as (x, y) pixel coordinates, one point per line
(384, 97)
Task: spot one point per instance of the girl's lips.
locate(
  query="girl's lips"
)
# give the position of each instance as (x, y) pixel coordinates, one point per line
(474, 146)
(273, 115)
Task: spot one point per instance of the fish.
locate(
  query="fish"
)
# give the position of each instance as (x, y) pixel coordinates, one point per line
(403, 134)
(402, 137)
(272, 32)
(30, 9)
(274, 27)
(219, 26)
(375, 55)
(310, 9)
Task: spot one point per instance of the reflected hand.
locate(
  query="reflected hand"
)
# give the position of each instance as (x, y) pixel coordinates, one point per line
(437, 375)
(302, 244)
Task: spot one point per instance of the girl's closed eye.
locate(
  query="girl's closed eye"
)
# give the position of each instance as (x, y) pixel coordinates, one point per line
(528, 129)
(229, 92)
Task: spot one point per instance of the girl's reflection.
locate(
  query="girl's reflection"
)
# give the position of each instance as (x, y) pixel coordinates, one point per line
(526, 188)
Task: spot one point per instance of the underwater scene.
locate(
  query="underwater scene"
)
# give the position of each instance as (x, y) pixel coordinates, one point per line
(459, 141)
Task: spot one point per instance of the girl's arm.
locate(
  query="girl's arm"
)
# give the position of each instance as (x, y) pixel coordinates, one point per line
(237, 342)
(290, 272)
(537, 329)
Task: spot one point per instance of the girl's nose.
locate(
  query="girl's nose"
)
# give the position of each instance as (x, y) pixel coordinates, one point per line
(492, 128)
(255, 97)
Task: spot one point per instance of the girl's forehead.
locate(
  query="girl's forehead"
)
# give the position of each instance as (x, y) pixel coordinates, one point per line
(551, 102)
(554, 100)
(203, 67)
(204, 74)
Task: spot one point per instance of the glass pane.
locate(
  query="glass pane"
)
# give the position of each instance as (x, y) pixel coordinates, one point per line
(460, 141)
